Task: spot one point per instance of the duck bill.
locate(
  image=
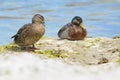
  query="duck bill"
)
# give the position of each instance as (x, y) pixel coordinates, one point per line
(82, 25)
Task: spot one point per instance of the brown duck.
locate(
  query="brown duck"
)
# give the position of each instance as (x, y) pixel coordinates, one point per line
(74, 30)
(30, 33)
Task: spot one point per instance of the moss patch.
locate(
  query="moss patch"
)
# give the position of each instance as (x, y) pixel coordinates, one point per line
(53, 53)
(9, 47)
(92, 42)
(116, 37)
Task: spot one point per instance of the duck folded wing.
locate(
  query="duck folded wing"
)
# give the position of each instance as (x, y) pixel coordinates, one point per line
(22, 29)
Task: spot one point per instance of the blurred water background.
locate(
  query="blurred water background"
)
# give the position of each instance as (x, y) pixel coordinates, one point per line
(101, 17)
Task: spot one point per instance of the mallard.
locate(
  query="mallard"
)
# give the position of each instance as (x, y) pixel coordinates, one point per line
(73, 30)
(30, 33)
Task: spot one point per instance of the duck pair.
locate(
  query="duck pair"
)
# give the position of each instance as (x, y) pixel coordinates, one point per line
(30, 33)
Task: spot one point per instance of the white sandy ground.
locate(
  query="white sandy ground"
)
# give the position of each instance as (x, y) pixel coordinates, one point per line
(27, 66)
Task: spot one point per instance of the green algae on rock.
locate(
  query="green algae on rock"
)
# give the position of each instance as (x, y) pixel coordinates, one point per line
(7, 47)
(10, 47)
(116, 37)
(53, 53)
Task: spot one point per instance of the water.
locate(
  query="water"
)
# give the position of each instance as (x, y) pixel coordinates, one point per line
(101, 17)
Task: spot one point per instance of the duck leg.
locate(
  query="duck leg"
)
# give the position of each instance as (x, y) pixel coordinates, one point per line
(34, 48)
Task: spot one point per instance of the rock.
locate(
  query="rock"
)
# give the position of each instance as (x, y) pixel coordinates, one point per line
(89, 51)
(91, 59)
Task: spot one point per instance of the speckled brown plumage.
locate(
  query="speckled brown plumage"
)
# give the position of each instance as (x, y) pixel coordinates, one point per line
(73, 30)
(30, 33)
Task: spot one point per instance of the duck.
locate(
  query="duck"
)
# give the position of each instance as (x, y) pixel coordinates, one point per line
(73, 30)
(30, 33)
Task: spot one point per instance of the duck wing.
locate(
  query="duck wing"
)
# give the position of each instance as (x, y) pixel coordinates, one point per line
(65, 27)
(26, 26)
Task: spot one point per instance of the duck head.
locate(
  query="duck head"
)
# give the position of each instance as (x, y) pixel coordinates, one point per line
(77, 21)
(38, 19)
